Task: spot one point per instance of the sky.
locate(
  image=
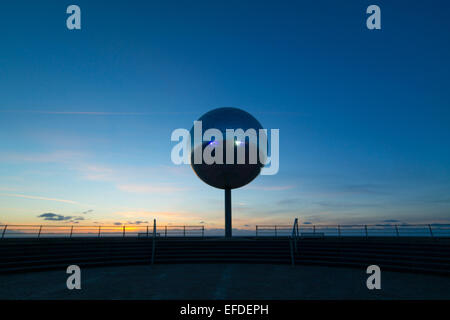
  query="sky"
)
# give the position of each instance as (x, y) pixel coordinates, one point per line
(86, 115)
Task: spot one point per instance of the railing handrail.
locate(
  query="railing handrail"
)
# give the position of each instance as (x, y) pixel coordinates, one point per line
(356, 225)
(367, 230)
(99, 225)
(433, 230)
(99, 230)
(202, 227)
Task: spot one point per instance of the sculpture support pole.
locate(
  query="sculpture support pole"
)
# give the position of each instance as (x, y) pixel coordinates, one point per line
(228, 213)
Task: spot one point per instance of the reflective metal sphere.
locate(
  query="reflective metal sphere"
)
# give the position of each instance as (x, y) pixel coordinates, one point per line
(228, 176)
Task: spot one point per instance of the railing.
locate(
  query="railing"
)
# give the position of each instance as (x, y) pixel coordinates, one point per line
(293, 241)
(273, 230)
(373, 230)
(301, 231)
(99, 231)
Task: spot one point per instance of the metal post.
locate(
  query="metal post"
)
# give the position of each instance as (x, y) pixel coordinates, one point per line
(431, 231)
(71, 232)
(228, 230)
(396, 231)
(165, 231)
(314, 229)
(39, 233)
(297, 229)
(123, 235)
(184, 231)
(294, 234)
(203, 231)
(4, 231)
(147, 231)
(257, 231)
(275, 231)
(153, 241)
(99, 228)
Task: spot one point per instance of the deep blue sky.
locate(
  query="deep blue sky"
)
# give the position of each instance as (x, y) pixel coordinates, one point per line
(86, 116)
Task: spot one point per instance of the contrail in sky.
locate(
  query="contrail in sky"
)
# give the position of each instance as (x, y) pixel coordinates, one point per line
(36, 197)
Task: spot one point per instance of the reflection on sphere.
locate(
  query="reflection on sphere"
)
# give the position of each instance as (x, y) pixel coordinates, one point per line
(227, 176)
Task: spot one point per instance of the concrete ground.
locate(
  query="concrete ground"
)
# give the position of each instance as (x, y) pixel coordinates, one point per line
(222, 281)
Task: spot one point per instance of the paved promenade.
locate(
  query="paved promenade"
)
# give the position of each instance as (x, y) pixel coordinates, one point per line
(222, 281)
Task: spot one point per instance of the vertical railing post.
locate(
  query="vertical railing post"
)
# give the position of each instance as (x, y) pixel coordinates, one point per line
(396, 231)
(275, 231)
(123, 232)
(431, 231)
(165, 231)
(294, 234)
(71, 231)
(257, 231)
(184, 231)
(4, 231)
(314, 229)
(39, 233)
(365, 228)
(153, 241)
(99, 230)
(147, 231)
(297, 229)
(203, 231)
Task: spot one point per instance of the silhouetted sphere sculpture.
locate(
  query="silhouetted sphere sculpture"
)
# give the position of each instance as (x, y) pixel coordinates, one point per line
(228, 176)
